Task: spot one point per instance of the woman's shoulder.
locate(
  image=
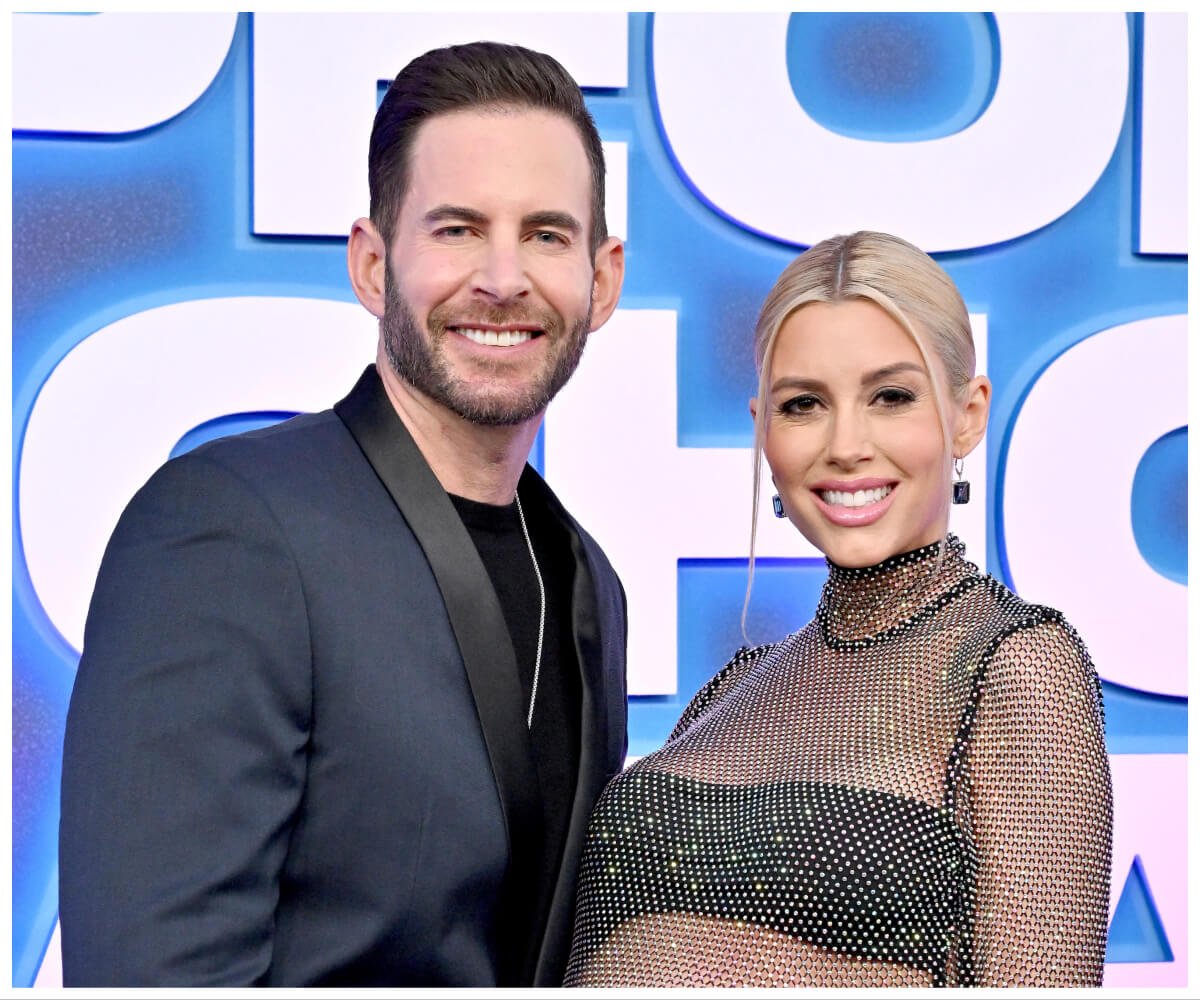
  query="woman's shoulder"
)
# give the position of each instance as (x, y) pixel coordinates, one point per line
(1016, 622)
(1034, 648)
(721, 683)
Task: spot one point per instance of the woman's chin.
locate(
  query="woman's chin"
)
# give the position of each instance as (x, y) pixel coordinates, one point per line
(855, 548)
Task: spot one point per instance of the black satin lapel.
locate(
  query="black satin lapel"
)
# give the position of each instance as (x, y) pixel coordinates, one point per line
(602, 736)
(474, 612)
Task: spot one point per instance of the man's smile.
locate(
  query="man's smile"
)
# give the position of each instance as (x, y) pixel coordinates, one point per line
(492, 336)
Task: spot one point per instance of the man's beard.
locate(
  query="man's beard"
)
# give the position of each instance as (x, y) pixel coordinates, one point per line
(422, 363)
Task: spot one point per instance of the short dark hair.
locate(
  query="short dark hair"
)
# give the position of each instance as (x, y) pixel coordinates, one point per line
(460, 77)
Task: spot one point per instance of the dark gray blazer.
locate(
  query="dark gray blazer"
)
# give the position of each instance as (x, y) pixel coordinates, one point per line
(296, 750)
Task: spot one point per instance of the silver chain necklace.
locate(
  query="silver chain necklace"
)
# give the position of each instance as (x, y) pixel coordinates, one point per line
(537, 572)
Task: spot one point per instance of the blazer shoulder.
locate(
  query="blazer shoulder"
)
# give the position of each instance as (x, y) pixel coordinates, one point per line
(301, 437)
(307, 455)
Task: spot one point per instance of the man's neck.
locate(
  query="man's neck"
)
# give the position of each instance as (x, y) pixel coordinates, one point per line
(475, 461)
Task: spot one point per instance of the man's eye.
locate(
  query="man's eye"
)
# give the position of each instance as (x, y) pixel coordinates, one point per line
(548, 237)
(452, 232)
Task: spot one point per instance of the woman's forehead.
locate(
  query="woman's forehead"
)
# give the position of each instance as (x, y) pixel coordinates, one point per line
(855, 330)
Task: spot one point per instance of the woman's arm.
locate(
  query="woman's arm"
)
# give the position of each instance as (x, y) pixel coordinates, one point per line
(1041, 803)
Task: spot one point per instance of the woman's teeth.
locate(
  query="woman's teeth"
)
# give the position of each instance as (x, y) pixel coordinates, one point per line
(859, 498)
(492, 338)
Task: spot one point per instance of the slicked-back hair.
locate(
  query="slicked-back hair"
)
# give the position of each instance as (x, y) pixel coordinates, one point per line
(478, 75)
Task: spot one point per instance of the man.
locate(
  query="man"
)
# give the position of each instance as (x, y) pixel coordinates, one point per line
(351, 684)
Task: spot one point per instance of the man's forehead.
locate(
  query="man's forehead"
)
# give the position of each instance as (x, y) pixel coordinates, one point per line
(498, 151)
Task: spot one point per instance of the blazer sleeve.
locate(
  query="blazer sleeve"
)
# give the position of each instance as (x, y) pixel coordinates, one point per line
(185, 749)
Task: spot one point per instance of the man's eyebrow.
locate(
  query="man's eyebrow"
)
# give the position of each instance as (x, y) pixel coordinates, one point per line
(454, 213)
(553, 219)
(460, 213)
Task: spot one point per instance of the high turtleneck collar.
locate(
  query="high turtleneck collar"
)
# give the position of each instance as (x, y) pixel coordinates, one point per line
(861, 603)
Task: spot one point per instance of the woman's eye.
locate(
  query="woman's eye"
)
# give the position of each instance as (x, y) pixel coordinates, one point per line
(799, 405)
(892, 396)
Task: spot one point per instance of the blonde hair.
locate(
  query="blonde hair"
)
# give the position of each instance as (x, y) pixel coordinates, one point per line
(904, 282)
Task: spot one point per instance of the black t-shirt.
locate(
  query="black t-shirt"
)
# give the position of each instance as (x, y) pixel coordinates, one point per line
(555, 735)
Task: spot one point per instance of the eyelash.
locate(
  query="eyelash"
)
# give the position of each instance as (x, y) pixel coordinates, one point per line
(896, 396)
(792, 407)
(890, 397)
(461, 231)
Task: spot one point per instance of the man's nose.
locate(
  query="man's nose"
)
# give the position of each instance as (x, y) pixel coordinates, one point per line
(501, 275)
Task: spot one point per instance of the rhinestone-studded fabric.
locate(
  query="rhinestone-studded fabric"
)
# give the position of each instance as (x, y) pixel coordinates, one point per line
(912, 790)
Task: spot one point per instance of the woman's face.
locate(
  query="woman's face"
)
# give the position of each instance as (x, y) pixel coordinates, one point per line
(852, 435)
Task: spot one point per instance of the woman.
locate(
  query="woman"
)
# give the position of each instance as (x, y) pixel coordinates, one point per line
(913, 789)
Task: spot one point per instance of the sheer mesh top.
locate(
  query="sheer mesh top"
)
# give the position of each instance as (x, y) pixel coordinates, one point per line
(912, 790)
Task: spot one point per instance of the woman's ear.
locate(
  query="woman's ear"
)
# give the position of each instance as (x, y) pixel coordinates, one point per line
(973, 417)
(366, 260)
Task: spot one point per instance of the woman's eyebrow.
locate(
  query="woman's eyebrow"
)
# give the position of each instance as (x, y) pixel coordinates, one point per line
(797, 382)
(806, 384)
(887, 371)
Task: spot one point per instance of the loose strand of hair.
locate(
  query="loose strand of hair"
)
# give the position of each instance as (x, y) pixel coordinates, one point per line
(762, 415)
(757, 472)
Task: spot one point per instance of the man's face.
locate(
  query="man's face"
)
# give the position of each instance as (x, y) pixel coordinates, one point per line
(489, 276)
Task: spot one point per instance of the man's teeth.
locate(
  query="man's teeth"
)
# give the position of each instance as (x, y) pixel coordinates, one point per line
(859, 498)
(491, 338)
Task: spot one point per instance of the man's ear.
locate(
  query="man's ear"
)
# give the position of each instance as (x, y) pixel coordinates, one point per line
(607, 281)
(973, 417)
(366, 260)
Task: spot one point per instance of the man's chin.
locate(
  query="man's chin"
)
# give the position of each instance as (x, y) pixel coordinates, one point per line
(496, 409)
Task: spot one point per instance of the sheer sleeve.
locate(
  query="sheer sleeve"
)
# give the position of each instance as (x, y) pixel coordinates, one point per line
(1042, 813)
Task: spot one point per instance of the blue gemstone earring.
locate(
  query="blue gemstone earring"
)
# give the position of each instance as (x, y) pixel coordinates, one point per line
(777, 504)
(962, 488)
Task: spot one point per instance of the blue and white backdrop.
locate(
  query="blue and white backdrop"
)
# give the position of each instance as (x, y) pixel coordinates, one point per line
(182, 190)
